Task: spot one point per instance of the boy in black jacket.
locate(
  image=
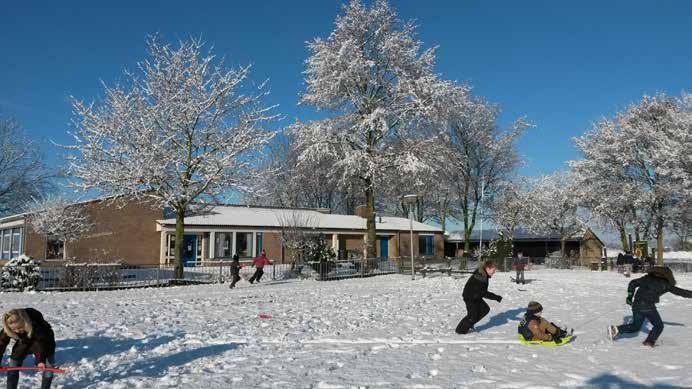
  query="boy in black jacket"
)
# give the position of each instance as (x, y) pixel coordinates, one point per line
(235, 271)
(475, 291)
(649, 288)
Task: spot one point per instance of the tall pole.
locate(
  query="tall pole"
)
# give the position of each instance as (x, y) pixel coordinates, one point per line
(410, 224)
(410, 200)
(480, 248)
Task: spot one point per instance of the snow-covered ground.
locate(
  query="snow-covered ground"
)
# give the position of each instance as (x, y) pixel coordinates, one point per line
(678, 255)
(380, 332)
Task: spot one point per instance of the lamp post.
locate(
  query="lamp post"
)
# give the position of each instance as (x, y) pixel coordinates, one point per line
(410, 200)
(480, 247)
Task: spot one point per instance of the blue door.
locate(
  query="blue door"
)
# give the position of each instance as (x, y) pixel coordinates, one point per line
(384, 248)
(189, 250)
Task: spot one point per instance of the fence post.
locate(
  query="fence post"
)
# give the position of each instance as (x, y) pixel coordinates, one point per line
(273, 272)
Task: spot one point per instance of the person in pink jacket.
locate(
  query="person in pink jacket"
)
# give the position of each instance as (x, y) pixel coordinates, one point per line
(259, 263)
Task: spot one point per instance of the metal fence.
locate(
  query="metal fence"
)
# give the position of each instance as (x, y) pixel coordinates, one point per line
(352, 268)
(117, 276)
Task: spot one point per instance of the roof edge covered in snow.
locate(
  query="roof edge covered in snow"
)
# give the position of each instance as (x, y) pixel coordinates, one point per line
(272, 217)
(519, 236)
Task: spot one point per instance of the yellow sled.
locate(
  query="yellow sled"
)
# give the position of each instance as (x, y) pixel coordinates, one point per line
(547, 343)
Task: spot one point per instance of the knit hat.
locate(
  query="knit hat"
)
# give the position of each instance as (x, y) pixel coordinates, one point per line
(535, 307)
(663, 272)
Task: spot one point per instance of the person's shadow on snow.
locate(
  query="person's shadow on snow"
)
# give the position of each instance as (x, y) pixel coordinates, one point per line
(608, 380)
(502, 318)
(156, 366)
(70, 351)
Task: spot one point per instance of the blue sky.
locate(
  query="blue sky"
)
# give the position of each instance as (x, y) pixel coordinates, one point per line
(562, 65)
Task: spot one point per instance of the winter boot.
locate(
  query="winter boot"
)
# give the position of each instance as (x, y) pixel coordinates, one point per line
(649, 343)
(612, 332)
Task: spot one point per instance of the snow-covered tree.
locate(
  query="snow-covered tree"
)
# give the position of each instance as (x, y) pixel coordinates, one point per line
(285, 183)
(433, 198)
(179, 133)
(58, 219)
(682, 227)
(509, 210)
(297, 231)
(554, 208)
(600, 182)
(477, 156)
(371, 74)
(645, 153)
(22, 171)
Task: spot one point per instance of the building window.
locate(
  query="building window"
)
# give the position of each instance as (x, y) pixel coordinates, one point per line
(170, 249)
(55, 249)
(222, 245)
(258, 243)
(243, 244)
(5, 236)
(425, 245)
(16, 248)
(199, 247)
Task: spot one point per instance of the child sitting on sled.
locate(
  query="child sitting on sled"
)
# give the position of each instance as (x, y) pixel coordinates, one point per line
(536, 328)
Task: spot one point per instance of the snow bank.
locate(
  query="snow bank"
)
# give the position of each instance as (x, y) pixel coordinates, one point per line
(677, 255)
(379, 332)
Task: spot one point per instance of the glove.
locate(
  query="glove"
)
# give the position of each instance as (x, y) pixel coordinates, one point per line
(557, 338)
(498, 299)
(628, 300)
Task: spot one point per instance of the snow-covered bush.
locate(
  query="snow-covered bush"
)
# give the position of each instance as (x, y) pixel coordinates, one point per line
(20, 273)
(318, 250)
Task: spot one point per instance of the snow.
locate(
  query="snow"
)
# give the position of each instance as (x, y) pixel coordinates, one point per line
(677, 255)
(380, 332)
(242, 216)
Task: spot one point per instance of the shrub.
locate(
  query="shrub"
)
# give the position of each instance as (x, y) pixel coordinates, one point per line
(20, 273)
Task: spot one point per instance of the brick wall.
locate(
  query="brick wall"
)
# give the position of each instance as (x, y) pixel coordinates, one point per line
(438, 246)
(405, 244)
(271, 242)
(127, 234)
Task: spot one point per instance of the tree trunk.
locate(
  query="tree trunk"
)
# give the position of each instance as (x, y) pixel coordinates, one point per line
(563, 242)
(623, 238)
(659, 242)
(371, 250)
(467, 247)
(179, 234)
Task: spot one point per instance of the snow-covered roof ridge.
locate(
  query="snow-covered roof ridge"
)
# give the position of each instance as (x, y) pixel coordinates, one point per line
(519, 235)
(250, 216)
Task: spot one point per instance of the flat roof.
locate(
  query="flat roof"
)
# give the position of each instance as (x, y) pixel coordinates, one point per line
(245, 216)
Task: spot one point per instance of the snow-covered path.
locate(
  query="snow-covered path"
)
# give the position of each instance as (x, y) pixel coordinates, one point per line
(381, 332)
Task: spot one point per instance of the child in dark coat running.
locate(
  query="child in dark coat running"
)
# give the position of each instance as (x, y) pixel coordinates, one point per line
(475, 291)
(649, 289)
(235, 271)
(32, 335)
